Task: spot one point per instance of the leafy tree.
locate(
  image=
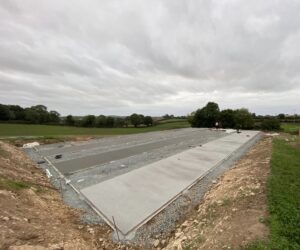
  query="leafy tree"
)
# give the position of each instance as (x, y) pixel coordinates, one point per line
(142, 117)
(243, 119)
(54, 117)
(135, 120)
(4, 112)
(190, 118)
(198, 119)
(281, 116)
(207, 116)
(32, 115)
(119, 122)
(12, 115)
(227, 118)
(40, 108)
(17, 112)
(126, 121)
(212, 112)
(110, 122)
(70, 120)
(88, 121)
(167, 116)
(36, 114)
(148, 121)
(101, 121)
(43, 115)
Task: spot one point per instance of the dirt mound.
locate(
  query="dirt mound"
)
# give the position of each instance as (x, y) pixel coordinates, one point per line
(33, 215)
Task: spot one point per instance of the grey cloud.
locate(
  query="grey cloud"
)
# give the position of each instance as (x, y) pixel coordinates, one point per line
(150, 56)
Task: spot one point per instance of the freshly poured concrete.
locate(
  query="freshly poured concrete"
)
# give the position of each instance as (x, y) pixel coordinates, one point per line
(78, 158)
(134, 197)
(108, 143)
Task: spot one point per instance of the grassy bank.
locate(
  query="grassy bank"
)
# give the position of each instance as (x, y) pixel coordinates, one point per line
(292, 128)
(283, 197)
(7, 130)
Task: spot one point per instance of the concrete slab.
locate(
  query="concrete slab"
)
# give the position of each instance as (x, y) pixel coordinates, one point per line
(133, 198)
(68, 166)
(110, 142)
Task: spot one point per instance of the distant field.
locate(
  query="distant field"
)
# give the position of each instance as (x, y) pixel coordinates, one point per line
(49, 130)
(173, 121)
(292, 128)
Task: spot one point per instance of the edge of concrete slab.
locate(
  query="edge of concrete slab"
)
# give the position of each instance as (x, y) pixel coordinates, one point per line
(195, 193)
(65, 187)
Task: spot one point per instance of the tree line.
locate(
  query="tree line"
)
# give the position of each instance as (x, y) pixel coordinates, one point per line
(102, 121)
(211, 114)
(39, 114)
(36, 114)
(206, 116)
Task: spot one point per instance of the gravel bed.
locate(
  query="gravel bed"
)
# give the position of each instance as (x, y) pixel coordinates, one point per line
(69, 195)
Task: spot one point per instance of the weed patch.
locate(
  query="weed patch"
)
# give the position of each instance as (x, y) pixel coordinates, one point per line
(12, 185)
(257, 245)
(292, 128)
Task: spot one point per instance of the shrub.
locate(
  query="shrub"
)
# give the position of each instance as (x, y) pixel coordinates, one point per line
(243, 119)
(148, 121)
(270, 124)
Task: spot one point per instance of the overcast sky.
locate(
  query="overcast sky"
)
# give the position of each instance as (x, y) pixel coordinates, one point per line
(152, 57)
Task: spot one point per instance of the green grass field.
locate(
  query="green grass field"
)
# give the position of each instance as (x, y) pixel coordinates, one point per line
(283, 198)
(14, 130)
(292, 128)
(174, 120)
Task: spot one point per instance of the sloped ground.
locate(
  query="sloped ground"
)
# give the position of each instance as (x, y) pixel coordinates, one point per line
(32, 212)
(233, 212)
